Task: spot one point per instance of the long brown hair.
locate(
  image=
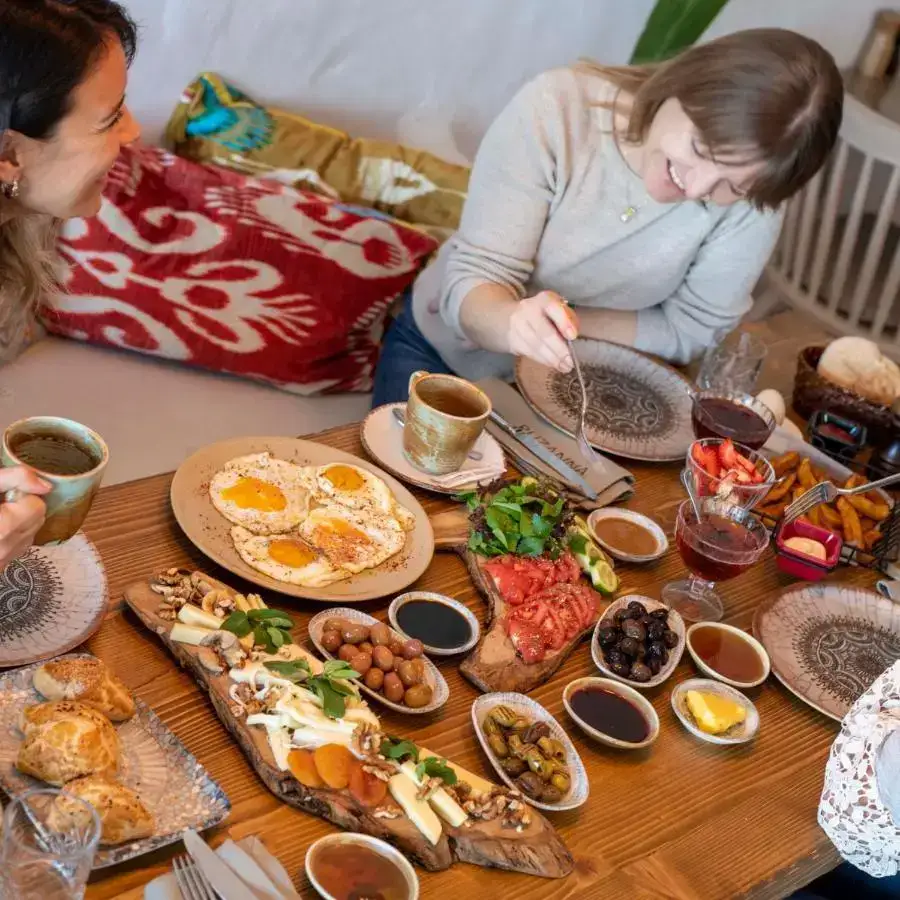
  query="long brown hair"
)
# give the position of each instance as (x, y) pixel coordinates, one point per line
(765, 95)
(47, 47)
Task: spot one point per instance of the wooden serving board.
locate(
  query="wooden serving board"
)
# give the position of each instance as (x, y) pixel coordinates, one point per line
(538, 850)
(494, 664)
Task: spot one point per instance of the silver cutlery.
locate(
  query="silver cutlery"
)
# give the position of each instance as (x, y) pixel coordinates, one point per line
(688, 482)
(826, 492)
(192, 883)
(584, 445)
(400, 417)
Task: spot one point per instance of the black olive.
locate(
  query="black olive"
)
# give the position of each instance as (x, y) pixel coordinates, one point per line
(622, 669)
(646, 621)
(530, 784)
(629, 646)
(619, 617)
(655, 650)
(633, 629)
(636, 609)
(655, 630)
(642, 651)
(614, 656)
(670, 639)
(640, 672)
(655, 665)
(607, 636)
(661, 614)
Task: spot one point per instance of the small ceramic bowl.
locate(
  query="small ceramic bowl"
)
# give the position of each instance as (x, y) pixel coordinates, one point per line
(433, 677)
(380, 847)
(740, 734)
(464, 611)
(706, 669)
(662, 542)
(801, 565)
(580, 787)
(676, 624)
(631, 695)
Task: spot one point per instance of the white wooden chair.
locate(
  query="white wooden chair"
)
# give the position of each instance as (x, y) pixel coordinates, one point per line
(838, 256)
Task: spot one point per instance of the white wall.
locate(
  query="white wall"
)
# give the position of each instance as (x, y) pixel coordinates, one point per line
(432, 73)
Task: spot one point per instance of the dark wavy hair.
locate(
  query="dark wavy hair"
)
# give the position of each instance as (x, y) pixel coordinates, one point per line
(47, 49)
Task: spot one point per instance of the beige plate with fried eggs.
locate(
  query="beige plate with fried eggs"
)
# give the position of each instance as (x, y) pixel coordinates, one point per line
(210, 531)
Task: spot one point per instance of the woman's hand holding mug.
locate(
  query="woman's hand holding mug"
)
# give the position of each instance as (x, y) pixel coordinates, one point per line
(22, 516)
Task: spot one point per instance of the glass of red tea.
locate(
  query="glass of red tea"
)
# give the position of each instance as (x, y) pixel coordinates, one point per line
(723, 543)
(740, 417)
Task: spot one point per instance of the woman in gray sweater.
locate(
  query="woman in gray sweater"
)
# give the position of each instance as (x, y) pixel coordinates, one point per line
(634, 204)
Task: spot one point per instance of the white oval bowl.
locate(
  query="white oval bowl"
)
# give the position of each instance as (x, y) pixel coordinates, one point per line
(740, 734)
(624, 691)
(467, 614)
(676, 624)
(381, 847)
(707, 669)
(433, 677)
(662, 541)
(531, 709)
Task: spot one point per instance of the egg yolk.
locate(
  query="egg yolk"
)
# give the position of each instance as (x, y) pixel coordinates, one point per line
(254, 493)
(291, 553)
(344, 478)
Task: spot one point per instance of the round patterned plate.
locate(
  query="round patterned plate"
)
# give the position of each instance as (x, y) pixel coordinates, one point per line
(637, 408)
(51, 600)
(828, 643)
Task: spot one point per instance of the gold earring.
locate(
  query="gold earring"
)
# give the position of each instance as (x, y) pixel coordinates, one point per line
(10, 189)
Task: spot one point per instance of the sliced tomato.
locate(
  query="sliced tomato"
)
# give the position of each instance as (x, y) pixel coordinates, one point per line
(727, 454)
(572, 619)
(553, 633)
(528, 641)
(533, 611)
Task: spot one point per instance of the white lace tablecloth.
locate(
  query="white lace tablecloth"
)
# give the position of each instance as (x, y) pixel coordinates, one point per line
(860, 805)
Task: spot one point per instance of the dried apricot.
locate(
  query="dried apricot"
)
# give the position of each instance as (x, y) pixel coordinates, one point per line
(366, 788)
(334, 762)
(303, 768)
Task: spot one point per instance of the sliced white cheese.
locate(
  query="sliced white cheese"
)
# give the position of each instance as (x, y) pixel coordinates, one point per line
(191, 615)
(404, 791)
(444, 805)
(188, 634)
(280, 742)
(478, 784)
(265, 719)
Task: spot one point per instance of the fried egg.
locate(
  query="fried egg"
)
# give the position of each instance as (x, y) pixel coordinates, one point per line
(357, 489)
(261, 493)
(285, 557)
(351, 540)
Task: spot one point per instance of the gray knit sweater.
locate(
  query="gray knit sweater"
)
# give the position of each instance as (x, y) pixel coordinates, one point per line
(548, 189)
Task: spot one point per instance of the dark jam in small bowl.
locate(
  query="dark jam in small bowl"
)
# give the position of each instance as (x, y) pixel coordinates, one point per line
(737, 416)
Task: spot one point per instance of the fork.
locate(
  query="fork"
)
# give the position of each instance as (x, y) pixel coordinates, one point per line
(584, 445)
(192, 883)
(825, 492)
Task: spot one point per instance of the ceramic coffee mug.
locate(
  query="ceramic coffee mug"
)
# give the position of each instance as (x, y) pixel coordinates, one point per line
(445, 416)
(70, 456)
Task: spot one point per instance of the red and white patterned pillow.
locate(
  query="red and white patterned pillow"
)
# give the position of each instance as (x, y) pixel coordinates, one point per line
(219, 270)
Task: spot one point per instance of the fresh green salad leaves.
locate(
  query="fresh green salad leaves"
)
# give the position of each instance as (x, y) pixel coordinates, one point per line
(525, 518)
(432, 767)
(271, 628)
(398, 749)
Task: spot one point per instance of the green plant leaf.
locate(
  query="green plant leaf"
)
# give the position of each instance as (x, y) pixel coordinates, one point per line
(261, 636)
(276, 637)
(392, 748)
(530, 546)
(237, 623)
(432, 767)
(672, 26)
(297, 670)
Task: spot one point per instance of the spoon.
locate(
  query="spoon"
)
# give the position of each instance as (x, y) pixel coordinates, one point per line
(688, 483)
(400, 416)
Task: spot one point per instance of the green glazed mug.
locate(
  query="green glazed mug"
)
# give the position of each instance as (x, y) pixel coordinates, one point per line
(69, 456)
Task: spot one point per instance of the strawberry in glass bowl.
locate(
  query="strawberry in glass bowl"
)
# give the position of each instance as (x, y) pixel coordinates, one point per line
(729, 471)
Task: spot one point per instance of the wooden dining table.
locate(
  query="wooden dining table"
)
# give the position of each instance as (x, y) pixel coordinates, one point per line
(682, 819)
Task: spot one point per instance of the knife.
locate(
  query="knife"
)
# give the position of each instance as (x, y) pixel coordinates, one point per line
(223, 879)
(546, 456)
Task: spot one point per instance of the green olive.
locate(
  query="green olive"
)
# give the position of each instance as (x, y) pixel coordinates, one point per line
(560, 781)
(538, 764)
(490, 727)
(504, 716)
(551, 748)
(498, 746)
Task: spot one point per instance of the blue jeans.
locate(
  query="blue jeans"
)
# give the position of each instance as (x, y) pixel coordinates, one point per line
(405, 351)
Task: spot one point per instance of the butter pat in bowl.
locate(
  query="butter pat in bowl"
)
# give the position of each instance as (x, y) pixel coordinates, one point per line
(807, 551)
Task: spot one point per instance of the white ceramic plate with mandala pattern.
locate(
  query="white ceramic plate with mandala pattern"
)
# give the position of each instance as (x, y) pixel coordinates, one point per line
(51, 600)
(828, 643)
(170, 781)
(637, 408)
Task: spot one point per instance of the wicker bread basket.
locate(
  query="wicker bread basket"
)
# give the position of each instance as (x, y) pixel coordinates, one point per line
(812, 392)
